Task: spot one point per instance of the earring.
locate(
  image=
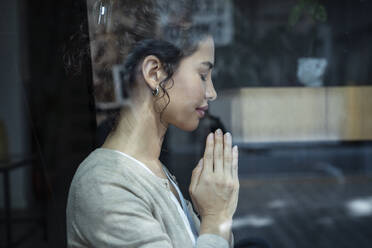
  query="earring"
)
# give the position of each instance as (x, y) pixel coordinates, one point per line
(156, 91)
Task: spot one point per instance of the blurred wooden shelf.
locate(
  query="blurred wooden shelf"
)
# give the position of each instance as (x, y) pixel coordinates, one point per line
(296, 114)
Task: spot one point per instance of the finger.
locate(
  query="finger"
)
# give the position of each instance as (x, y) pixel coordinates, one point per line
(234, 167)
(218, 152)
(196, 175)
(208, 155)
(227, 155)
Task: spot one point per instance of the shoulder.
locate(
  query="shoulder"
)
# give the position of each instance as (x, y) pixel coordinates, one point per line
(103, 177)
(102, 165)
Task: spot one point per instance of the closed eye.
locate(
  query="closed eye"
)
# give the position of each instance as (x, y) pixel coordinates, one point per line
(203, 77)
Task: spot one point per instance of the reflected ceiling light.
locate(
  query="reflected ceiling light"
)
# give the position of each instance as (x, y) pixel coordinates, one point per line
(360, 207)
(253, 221)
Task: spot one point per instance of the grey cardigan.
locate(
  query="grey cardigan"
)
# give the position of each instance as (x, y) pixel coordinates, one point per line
(115, 202)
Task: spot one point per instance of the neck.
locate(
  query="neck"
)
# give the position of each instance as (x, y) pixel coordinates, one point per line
(139, 134)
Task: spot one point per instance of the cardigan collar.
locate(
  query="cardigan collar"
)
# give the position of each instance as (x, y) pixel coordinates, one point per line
(144, 169)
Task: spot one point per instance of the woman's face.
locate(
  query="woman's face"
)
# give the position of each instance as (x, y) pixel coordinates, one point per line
(192, 89)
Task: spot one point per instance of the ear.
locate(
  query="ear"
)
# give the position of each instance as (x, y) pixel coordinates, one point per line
(152, 71)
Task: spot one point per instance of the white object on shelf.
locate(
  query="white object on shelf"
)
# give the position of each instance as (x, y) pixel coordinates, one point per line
(310, 71)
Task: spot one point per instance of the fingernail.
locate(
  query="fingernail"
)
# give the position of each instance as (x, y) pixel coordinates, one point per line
(210, 137)
(219, 132)
(228, 135)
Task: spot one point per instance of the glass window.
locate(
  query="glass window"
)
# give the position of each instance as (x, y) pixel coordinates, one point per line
(290, 80)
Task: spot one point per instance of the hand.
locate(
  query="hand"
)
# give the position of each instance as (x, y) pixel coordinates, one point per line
(214, 187)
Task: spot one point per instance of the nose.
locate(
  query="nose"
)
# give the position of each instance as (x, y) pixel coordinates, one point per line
(211, 93)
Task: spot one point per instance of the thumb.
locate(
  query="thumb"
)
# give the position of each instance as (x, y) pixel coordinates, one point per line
(196, 175)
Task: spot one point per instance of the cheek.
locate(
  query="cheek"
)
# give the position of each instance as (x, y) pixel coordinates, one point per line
(190, 89)
(181, 110)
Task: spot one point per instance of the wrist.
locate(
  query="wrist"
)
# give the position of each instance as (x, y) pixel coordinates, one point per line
(216, 225)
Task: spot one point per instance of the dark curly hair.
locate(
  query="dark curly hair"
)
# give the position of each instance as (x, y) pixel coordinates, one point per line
(132, 31)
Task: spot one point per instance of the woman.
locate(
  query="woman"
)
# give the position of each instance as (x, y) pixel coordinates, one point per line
(121, 194)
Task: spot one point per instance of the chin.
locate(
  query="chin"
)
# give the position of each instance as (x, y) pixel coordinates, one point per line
(188, 126)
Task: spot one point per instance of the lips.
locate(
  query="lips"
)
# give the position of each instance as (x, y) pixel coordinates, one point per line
(201, 111)
(203, 108)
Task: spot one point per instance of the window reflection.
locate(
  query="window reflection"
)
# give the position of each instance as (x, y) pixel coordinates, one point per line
(293, 82)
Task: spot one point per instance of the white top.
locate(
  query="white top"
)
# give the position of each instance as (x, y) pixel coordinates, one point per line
(176, 202)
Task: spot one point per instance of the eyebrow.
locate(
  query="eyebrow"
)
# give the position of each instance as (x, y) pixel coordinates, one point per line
(207, 63)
